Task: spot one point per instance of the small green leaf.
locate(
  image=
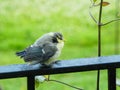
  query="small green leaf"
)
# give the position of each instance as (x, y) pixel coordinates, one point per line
(94, 1)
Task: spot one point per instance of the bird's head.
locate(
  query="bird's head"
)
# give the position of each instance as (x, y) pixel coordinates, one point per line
(57, 37)
(54, 37)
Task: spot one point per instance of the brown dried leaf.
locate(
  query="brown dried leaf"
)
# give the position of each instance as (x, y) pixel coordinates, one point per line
(105, 3)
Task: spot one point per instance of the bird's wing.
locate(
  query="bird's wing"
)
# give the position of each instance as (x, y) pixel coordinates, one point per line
(37, 53)
(33, 53)
(49, 50)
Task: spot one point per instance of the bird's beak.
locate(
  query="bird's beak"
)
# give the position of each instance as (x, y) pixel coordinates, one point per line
(59, 40)
(64, 40)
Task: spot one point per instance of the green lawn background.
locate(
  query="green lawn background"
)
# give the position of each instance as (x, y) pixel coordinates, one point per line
(22, 22)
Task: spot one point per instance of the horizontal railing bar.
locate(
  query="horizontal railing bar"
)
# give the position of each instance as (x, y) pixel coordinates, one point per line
(63, 66)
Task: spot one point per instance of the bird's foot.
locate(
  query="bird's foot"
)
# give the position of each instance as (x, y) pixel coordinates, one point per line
(46, 66)
(56, 62)
(51, 64)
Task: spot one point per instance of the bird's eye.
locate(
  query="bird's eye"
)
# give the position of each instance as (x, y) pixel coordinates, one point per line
(54, 40)
(59, 36)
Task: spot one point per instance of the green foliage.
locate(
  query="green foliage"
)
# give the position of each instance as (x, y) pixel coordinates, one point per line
(21, 25)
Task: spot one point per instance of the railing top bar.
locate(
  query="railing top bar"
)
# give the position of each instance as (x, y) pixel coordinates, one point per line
(64, 66)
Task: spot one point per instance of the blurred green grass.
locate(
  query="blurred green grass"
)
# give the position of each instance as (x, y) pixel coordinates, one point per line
(22, 22)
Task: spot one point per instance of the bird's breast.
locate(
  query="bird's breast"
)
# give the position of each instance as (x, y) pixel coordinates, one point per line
(59, 49)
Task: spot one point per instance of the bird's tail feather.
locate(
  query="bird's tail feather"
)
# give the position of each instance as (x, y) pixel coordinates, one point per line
(21, 54)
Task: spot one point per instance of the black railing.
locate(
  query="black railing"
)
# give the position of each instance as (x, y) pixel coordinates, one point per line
(64, 66)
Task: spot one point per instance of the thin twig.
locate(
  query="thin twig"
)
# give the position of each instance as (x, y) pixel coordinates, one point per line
(117, 28)
(62, 83)
(110, 22)
(66, 84)
(92, 15)
(91, 1)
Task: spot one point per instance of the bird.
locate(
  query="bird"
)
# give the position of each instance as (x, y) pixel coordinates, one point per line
(45, 50)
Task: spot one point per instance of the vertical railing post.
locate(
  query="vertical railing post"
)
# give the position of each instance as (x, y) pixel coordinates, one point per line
(30, 82)
(112, 79)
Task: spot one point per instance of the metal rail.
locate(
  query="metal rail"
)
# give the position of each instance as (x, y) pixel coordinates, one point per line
(64, 66)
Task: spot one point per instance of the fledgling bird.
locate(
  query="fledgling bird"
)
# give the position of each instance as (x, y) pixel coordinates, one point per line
(45, 50)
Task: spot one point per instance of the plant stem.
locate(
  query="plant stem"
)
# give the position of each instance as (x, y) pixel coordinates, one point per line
(99, 41)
